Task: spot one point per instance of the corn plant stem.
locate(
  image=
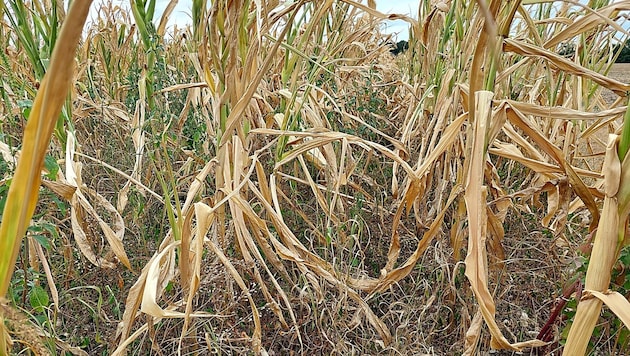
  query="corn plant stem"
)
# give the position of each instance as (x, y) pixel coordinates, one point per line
(602, 259)
(546, 333)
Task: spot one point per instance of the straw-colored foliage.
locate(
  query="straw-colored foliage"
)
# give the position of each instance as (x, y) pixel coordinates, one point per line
(271, 179)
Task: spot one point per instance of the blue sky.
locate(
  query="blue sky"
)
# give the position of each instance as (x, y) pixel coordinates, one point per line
(181, 14)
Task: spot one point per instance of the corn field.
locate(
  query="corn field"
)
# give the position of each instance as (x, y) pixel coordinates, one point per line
(272, 180)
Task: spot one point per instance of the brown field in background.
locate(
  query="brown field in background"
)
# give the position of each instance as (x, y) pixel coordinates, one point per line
(621, 72)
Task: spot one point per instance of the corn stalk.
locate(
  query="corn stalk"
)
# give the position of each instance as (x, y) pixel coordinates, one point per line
(610, 237)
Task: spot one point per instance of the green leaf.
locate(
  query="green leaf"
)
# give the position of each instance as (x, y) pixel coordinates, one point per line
(42, 240)
(50, 164)
(38, 298)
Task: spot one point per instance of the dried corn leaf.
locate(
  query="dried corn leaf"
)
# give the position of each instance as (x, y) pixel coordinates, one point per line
(416, 187)
(270, 255)
(80, 206)
(612, 167)
(512, 152)
(473, 334)
(203, 225)
(475, 197)
(553, 200)
(186, 260)
(447, 140)
(323, 138)
(563, 113)
(239, 210)
(165, 15)
(615, 301)
(519, 120)
(113, 234)
(565, 65)
(154, 284)
(121, 350)
(197, 184)
(204, 212)
(603, 16)
(132, 305)
(243, 100)
(496, 233)
(8, 155)
(64, 190)
(393, 276)
(81, 236)
(49, 276)
(309, 263)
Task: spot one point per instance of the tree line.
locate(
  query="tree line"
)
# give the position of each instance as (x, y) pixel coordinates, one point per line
(624, 52)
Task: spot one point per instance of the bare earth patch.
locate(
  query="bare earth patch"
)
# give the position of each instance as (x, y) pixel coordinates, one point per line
(620, 72)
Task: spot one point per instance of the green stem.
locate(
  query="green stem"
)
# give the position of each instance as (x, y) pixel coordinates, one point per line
(624, 143)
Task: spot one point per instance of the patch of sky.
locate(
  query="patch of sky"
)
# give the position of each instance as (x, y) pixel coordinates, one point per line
(181, 15)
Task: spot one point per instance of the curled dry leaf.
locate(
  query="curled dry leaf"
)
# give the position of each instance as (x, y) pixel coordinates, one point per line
(476, 258)
(612, 166)
(81, 209)
(615, 301)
